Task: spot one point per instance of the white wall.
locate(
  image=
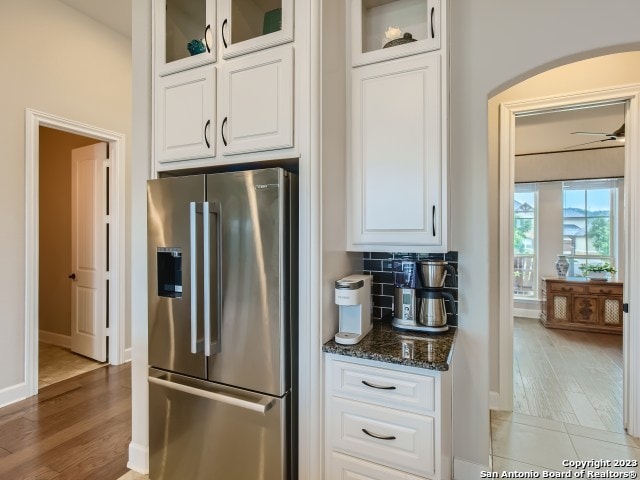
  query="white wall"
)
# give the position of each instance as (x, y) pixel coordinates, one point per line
(494, 45)
(57, 61)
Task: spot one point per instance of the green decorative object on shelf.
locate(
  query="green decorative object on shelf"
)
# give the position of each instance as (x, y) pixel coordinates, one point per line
(272, 21)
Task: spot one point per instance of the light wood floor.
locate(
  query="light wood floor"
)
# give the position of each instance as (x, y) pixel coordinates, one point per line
(58, 363)
(79, 428)
(572, 377)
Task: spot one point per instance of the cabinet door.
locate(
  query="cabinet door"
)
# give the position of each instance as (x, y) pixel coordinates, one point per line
(183, 34)
(185, 118)
(250, 25)
(396, 165)
(559, 307)
(255, 102)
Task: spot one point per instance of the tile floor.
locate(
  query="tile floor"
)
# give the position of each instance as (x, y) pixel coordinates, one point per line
(522, 442)
(58, 363)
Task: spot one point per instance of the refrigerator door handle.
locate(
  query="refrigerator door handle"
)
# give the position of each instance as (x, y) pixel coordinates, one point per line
(193, 253)
(262, 406)
(212, 208)
(206, 253)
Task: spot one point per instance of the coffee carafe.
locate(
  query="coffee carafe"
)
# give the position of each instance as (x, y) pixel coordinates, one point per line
(420, 306)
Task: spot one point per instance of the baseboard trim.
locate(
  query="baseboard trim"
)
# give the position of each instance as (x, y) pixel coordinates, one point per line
(54, 339)
(463, 470)
(127, 354)
(138, 458)
(13, 394)
(526, 313)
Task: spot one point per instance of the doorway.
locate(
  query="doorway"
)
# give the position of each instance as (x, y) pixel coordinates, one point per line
(61, 229)
(39, 126)
(508, 114)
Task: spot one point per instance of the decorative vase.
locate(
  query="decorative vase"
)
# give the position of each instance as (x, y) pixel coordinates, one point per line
(562, 266)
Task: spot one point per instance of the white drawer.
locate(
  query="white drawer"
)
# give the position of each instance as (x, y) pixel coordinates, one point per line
(344, 467)
(406, 443)
(381, 386)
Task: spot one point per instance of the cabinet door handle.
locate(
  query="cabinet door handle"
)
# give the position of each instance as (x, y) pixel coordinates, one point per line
(206, 40)
(206, 137)
(224, 140)
(433, 220)
(433, 33)
(224, 41)
(379, 387)
(379, 437)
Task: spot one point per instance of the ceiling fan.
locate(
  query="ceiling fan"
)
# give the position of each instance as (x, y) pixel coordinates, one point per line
(615, 135)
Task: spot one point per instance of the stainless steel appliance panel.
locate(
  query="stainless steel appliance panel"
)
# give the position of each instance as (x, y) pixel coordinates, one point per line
(253, 348)
(172, 333)
(201, 430)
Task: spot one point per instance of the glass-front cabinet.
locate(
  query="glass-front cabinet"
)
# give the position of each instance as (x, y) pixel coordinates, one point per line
(250, 25)
(385, 29)
(184, 34)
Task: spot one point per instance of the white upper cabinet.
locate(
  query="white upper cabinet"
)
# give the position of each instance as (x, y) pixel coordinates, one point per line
(385, 29)
(184, 34)
(250, 25)
(397, 170)
(255, 102)
(185, 115)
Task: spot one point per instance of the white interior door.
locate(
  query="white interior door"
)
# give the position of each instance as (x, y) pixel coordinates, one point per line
(88, 251)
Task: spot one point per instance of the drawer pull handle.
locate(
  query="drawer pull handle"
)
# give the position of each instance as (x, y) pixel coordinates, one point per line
(565, 289)
(602, 290)
(379, 437)
(379, 387)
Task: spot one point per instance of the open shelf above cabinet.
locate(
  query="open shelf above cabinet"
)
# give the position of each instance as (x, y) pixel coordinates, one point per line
(376, 23)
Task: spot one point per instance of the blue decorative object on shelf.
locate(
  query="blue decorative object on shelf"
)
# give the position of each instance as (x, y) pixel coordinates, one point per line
(196, 47)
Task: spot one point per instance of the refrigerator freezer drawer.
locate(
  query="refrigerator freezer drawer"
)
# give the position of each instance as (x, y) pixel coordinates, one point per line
(203, 430)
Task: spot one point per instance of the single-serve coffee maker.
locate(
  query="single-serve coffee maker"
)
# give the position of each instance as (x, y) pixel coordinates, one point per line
(419, 296)
(353, 297)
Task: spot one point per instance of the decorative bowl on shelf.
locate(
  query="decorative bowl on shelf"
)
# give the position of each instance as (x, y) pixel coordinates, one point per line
(406, 38)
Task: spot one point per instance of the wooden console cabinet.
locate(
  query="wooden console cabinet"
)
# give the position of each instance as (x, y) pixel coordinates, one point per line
(581, 304)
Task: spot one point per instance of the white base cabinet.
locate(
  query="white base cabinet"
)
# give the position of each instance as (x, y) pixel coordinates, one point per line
(386, 421)
(185, 115)
(397, 171)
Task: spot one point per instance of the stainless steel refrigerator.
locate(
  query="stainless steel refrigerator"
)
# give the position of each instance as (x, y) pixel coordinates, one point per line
(222, 262)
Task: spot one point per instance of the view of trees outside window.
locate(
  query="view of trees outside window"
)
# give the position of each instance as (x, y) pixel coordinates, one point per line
(588, 216)
(524, 241)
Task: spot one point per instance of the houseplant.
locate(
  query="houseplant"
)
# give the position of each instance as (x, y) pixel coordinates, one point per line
(598, 271)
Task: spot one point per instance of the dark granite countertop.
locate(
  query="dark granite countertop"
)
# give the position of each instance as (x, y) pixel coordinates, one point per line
(384, 343)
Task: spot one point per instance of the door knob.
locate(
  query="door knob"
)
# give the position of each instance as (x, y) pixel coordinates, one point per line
(72, 276)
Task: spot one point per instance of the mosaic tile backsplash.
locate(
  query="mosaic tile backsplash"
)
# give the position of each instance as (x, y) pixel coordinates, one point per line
(380, 265)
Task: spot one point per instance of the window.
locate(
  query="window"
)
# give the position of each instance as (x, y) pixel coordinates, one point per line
(525, 241)
(589, 221)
